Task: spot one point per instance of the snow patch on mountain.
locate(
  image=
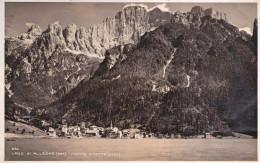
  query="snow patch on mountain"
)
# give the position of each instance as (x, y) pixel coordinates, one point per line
(162, 7)
(134, 4)
(116, 78)
(168, 62)
(75, 52)
(188, 81)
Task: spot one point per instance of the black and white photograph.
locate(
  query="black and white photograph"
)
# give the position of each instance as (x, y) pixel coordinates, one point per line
(130, 81)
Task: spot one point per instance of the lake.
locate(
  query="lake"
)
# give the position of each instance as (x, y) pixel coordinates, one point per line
(131, 150)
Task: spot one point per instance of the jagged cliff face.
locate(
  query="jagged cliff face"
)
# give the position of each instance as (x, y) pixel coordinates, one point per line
(126, 27)
(155, 68)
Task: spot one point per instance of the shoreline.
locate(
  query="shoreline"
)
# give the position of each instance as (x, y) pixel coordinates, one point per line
(16, 136)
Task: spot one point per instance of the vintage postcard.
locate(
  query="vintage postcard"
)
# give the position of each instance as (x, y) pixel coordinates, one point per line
(130, 81)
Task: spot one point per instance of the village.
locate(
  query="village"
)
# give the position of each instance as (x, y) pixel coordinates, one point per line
(88, 130)
(81, 131)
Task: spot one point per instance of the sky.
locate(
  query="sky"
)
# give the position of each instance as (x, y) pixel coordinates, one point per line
(20, 14)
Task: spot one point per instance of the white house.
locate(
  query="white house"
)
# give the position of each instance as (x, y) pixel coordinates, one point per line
(64, 129)
(207, 135)
(115, 129)
(92, 131)
(76, 128)
(52, 132)
(136, 135)
(120, 134)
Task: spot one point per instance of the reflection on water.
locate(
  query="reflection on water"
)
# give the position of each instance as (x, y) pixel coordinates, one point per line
(131, 149)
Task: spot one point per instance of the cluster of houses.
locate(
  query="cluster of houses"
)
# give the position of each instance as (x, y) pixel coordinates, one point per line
(81, 131)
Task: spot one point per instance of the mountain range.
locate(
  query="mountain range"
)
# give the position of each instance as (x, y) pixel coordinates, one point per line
(165, 72)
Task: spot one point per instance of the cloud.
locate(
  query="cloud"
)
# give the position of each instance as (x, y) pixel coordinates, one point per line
(247, 29)
(56, 22)
(29, 24)
(162, 7)
(133, 4)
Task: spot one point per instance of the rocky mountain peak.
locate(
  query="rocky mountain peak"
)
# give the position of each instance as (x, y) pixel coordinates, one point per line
(186, 19)
(158, 17)
(131, 12)
(50, 40)
(34, 30)
(198, 11)
(179, 17)
(215, 14)
(126, 27)
(55, 28)
(156, 10)
(69, 34)
(133, 8)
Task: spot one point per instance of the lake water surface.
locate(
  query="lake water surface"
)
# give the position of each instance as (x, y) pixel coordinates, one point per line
(131, 150)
